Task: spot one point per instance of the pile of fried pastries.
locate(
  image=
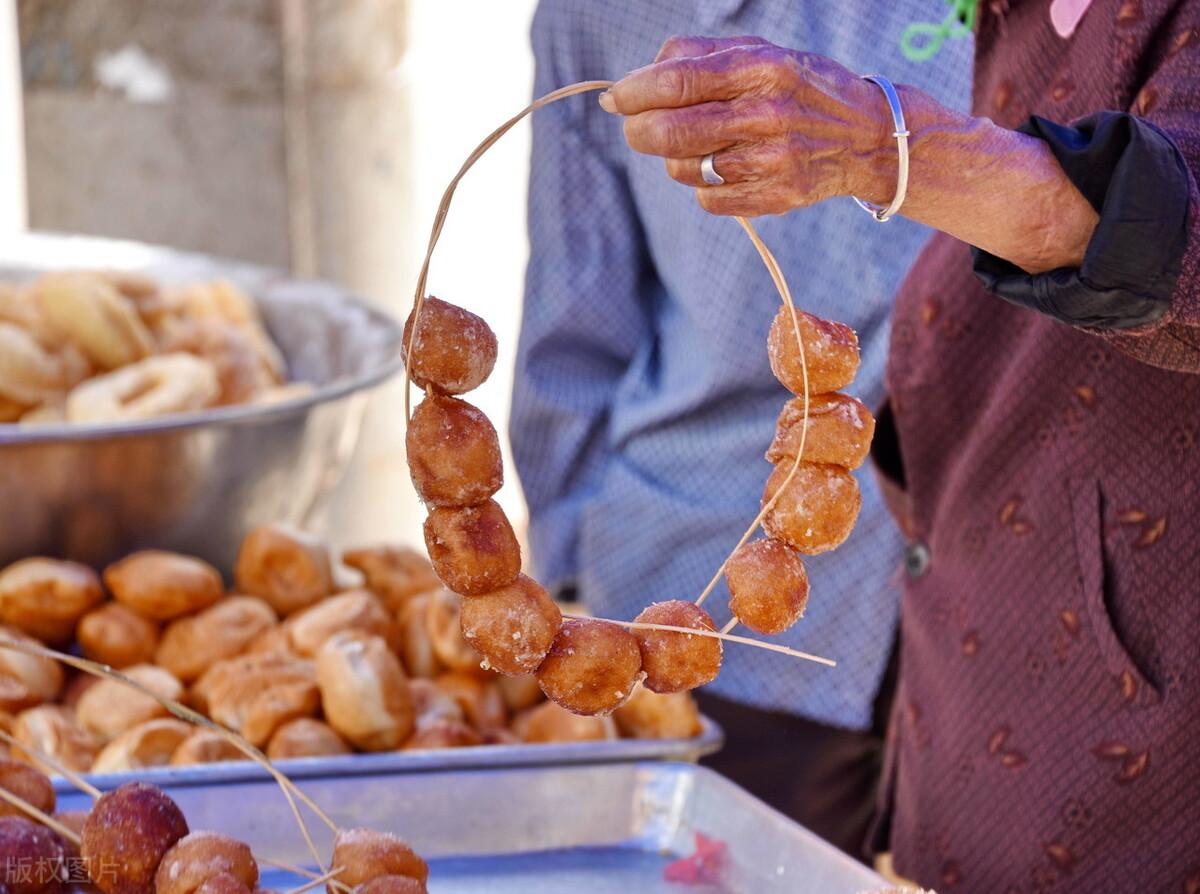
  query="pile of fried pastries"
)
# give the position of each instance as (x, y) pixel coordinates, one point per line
(592, 666)
(294, 663)
(110, 346)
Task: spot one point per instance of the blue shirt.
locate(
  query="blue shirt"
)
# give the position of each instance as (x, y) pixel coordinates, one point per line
(644, 401)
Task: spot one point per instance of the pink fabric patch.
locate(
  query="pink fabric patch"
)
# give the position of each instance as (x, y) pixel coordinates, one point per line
(1065, 15)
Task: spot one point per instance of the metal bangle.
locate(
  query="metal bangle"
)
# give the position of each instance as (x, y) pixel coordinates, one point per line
(878, 212)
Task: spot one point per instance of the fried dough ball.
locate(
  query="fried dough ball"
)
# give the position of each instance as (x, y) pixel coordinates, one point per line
(519, 693)
(74, 820)
(273, 639)
(305, 737)
(110, 707)
(365, 854)
(352, 610)
(431, 702)
(161, 585)
(592, 666)
(393, 573)
(199, 856)
(364, 691)
(830, 348)
(441, 733)
(285, 566)
(26, 680)
(453, 350)
(191, 645)
(840, 429)
(550, 724)
(46, 597)
(32, 857)
(27, 783)
(453, 453)
(116, 636)
(443, 630)
(392, 884)
(674, 662)
(77, 685)
(256, 694)
(481, 702)
(817, 511)
(513, 627)
(52, 730)
(127, 834)
(768, 585)
(416, 645)
(203, 746)
(473, 548)
(149, 744)
(649, 715)
(224, 883)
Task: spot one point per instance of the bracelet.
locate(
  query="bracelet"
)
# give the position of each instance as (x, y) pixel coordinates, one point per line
(878, 212)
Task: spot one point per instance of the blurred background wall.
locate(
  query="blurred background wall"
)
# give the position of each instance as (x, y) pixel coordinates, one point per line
(313, 135)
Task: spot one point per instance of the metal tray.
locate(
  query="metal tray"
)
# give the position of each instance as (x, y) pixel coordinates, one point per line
(710, 739)
(602, 829)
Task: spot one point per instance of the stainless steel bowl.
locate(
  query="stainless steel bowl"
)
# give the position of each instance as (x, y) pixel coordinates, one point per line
(197, 482)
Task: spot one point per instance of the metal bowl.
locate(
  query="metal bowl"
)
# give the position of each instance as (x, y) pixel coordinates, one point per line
(198, 482)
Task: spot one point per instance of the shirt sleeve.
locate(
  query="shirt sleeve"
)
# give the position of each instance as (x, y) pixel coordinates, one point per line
(583, 318)
(1164, 111)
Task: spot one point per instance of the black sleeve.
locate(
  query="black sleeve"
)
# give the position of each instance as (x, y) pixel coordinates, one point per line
(1137, 181)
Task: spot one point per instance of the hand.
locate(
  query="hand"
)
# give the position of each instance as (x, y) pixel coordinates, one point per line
(788, 128)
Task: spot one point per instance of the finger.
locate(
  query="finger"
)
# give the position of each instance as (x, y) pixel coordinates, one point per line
(676, 83)
(738, 164)
(701, 129)
(681, 46)
(743, 200)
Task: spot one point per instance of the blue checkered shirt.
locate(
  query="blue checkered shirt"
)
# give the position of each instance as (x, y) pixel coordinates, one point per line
(643, 400)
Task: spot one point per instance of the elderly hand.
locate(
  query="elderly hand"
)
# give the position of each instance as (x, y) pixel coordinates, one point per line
(788, 128)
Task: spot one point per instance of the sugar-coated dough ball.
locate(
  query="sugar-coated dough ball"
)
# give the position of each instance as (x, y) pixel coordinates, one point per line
(548, 723)
(365, 854)
(31, 857)
(768, 585)
(127, 834)
(199, 856)
(287, 567)
(830, 349)
(650, 715)
(393, 884)
(473, 548)
(454, 350)
(817, 511)
(27, 783)
(840, 429)
(513, 627)
(453, 453)
(364, 691)
(592, 666)
(674, 662)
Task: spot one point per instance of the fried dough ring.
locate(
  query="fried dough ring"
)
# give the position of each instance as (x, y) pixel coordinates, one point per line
(154, 387)
(88, 310)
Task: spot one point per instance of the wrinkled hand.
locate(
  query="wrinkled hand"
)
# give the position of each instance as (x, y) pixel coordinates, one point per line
(788, 128)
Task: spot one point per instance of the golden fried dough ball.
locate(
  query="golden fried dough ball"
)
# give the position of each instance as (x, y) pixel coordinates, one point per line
(53, 730)
(76, 686)
(110, 707)
(273, 639)
(32, 857)
(47, 597)
(305, 737)
(840, 429)
(351, 610)
(480, 701)
(768, 585)
(431, 702)
(26, 680)
(830, 348)
(441, 733)
(148, 744)
(224, 883)
(364, 691)
(364, 854)
(592, 666)
(203, 746)
(550, 724)
(817, 511)
(27, 783)
(392, 884)
(513, 627)
(191, 645)
(127, 834)
(453, 453)
(519, 693)
(473, 548)
(416, 644)
(443, 630)
(285, 566)
(256, 694)
(197, 857)
(393, 573)
(454, 350)
(114, 635)
(161, 585)
(649, 715)
(674, 662)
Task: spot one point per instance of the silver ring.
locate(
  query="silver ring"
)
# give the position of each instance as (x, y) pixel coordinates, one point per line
(709, 173)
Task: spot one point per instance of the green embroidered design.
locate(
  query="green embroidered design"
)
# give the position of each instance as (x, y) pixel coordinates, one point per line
(921, 41)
